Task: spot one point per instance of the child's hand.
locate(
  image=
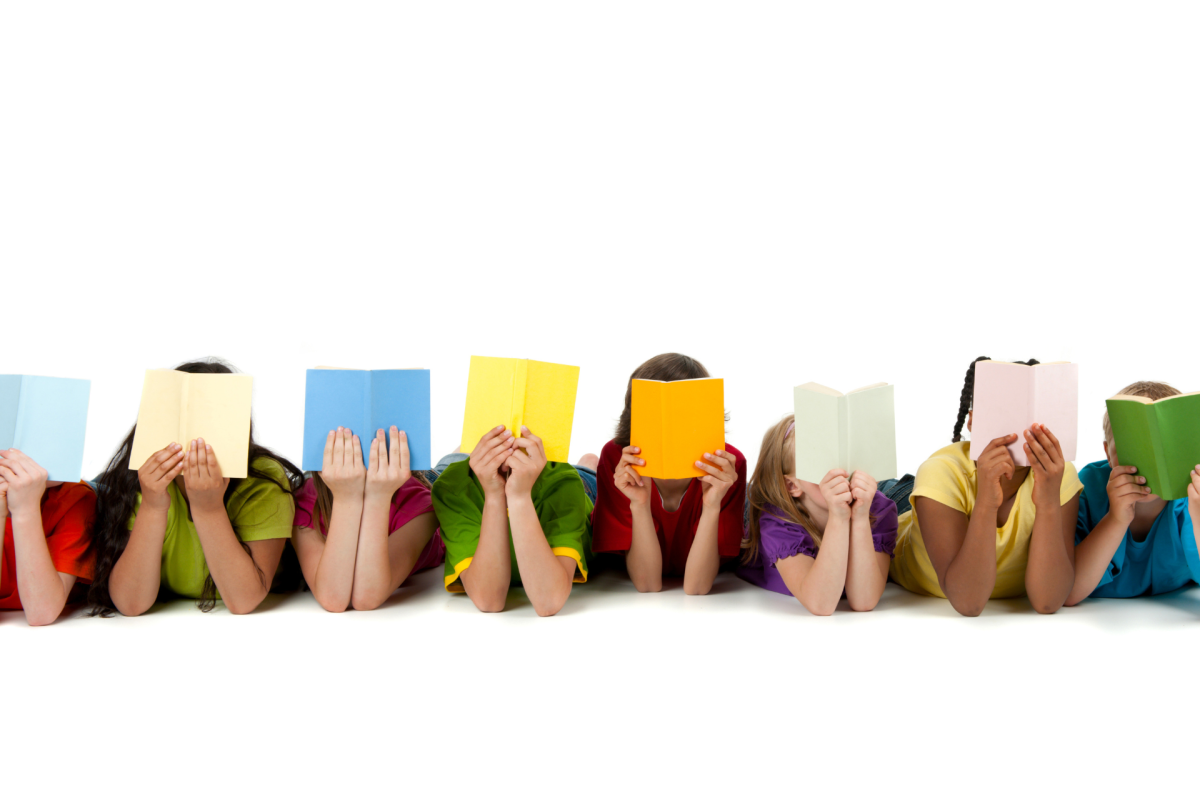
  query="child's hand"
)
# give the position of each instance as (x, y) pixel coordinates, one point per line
(1125, 491)
(835, 488)
(1194, 496)
(342, 467)
(862, 490)
(719, 479)
(203, 480)
(157, 474)
(25, 482)
(388, 470)
(1046, 459)
(493, 449)
(3, 498)
(627, 479)
(524, 470)
(994, 463)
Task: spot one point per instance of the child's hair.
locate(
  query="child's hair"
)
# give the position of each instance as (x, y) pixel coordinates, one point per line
(323, 507)
(116, 496)
(769, 487)
(664, 367)
(967, 399)
(1154, 390)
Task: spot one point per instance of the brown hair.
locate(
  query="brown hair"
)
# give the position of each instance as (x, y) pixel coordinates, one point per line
(1154, 390)
(664, 367)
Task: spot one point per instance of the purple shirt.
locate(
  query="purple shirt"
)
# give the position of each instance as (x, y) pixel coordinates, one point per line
(779, 538)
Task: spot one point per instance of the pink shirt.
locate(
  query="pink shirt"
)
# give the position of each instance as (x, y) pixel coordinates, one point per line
(410, 501)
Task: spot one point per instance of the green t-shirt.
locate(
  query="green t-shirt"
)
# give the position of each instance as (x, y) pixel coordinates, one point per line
(562, 507)
(258, 509)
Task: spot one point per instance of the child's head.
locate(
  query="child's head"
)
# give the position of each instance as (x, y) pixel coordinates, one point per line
(1154, 390)
(117, 489)
(966, 399)
(774, 484)
(664, 367)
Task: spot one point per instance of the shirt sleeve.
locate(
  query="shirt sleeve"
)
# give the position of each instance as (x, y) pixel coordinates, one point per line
(68, 540)
(265, 511)
(458, 504)
(1187, 534)
(410, 501)
(612, 521)
(306, 504)
(731, 524)
(780, 538)
(884, 528)
(1071, 485)
(1093, 505)
(941, 479)
(563, 513)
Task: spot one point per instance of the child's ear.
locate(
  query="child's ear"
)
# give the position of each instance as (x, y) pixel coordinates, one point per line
(793, 486)
(1110, 452)
(970, 415)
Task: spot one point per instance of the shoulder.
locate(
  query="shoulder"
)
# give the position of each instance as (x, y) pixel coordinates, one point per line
(274, 471)
(1095, 474)
(306, 495)
(882, 505)
(557, 474)
(611, 452)
(66, 496)
(950, 461)
(738, 456)
(454, 477)
(774, 519)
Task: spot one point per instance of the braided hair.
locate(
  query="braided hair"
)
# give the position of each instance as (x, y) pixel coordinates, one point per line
(967, 398)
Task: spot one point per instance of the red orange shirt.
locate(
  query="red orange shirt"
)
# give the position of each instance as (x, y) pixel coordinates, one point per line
(67, 513)
(612, 521)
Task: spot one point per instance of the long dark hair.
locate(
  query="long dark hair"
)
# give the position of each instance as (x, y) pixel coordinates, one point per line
(966, 399)
(664, 367)
(116, 496)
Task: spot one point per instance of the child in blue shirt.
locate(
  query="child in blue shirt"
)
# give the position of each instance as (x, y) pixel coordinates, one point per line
(1129, 542)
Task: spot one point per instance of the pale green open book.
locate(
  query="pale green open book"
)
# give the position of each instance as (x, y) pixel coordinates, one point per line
(1161, 438)
(854, 431)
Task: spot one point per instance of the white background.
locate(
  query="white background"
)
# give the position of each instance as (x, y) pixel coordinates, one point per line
(844, 193)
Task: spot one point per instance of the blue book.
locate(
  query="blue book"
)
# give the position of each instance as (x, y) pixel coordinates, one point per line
(46, 419)
(365, 401)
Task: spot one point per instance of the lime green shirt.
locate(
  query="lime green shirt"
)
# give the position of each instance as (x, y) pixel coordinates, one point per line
(258, 509)
(562, 507)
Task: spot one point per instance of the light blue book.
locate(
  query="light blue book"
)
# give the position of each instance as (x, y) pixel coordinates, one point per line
(46, 419)
(365, 401)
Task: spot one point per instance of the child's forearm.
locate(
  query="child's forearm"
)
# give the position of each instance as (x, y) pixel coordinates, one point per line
(644, 559)
(821, 590)
(233, 570)
(135, 579)
(865, 578)
(547, 582)
(1050, 571)
(373, 568)
(334, 580)
(704, 559)
(1093, 555)
(971, 575)
(43, 591)
(487, 578)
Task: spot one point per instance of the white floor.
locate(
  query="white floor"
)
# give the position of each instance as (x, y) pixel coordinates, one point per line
(651, 693)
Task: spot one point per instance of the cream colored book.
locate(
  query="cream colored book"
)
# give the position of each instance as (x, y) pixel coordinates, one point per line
(851, 431)
(180, 407)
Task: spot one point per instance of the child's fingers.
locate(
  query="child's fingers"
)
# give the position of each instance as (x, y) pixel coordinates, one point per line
(373, 456)
(327, 457)
(629, 458)
(402, 447)
(214, 466)
(1053, 439)
(339, 447)
(356, 451)
(713, 471)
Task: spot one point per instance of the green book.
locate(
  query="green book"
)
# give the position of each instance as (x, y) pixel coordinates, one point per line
(1160, 438)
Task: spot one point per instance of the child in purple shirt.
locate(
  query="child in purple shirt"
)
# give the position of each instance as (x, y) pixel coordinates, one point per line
(817, 542)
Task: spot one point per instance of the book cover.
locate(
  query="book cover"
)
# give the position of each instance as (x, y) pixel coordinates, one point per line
(516, 392)
(45, 418)
(675, 423)
(1161, 438)
(1009, 398)
(851, 431)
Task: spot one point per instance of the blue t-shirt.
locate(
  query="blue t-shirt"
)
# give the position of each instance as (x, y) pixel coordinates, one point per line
(1164, 561)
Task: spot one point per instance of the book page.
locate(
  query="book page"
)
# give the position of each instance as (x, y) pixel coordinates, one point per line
(489, 398)
(1003, 406)
(159, 416)
(217, 410)
(332, 398)
(549, 410)
(1134, 438)
(872, 438)
(818, 432)
(52, 424)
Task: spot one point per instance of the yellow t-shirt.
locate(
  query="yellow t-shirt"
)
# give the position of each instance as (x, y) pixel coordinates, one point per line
(949, 477)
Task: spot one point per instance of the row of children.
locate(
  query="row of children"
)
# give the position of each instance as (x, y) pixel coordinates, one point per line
(966, 529)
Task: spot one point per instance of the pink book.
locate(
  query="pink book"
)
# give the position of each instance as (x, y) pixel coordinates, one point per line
(1010, 398)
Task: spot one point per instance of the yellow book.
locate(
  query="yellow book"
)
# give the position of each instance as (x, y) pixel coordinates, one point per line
(516, 392)
(180, 407)
(675, 423)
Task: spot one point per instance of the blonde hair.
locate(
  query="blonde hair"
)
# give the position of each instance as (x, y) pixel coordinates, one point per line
(1154, 390)
(769, 487)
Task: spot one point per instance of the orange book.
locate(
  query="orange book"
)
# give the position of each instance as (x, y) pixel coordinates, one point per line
(675, 423)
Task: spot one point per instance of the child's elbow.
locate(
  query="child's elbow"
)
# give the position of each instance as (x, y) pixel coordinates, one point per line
(967, 606)
(858, 603)
(331, 605)
(646, 585)
(368, 601)
(489, 603)
(40, 617)
(1046, 606)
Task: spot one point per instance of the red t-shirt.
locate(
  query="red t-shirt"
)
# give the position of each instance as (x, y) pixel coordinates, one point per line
(67, 514)
(612, 522)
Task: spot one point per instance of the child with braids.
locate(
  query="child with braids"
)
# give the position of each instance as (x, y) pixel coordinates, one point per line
(987, 528)
(816, 541)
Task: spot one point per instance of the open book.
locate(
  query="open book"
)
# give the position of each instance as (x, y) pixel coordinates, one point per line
(180, 407)
(365, 401)
(1009, 398)
(516, 392)
(1161, 438)
(675, 423)
(855, 431)
(46, 419)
